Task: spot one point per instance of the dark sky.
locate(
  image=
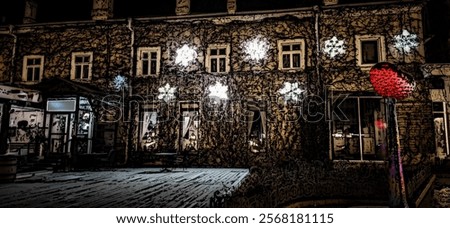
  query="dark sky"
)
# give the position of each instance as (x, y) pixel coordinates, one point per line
(11, 11)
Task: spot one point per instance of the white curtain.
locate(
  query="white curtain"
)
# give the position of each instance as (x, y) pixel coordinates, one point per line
(186, 124)
(263, 123)
(250, 122)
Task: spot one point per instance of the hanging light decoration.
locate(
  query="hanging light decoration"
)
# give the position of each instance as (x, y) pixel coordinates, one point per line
(256, 48)
(389, 82)
(119, 82)
(185, 55)
(291, 91)
(218, 91)
(334, 47)
(166, 93)
(405, 42)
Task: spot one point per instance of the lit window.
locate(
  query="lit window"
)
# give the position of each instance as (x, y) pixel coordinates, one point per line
(291, 54)
(149, 129)
(148, 61)
(217, 59)
(370, 50)
(33, 67)
(190, 125)
(359, 129)
(81, 66)
(440, 117)
(257, 127)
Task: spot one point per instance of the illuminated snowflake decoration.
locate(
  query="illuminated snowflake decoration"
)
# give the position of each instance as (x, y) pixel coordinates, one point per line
(218, 91)
(185, 55)
(334, 47)
(166, 93)
(291, 91)
(406, 41)
(119, 82)
(256, 48)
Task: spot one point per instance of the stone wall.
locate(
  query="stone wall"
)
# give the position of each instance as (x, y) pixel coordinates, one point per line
(5, 57)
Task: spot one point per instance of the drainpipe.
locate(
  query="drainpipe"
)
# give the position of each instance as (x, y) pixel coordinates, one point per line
(130, 93)
(13, 56)
(316, 28)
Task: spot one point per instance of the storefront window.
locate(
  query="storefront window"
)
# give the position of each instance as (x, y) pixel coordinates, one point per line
(360, 133)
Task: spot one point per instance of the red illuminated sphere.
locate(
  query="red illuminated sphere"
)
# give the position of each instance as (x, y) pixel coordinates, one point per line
(389, 82)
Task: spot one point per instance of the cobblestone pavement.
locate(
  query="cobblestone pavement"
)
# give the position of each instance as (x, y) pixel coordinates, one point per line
(120, 188)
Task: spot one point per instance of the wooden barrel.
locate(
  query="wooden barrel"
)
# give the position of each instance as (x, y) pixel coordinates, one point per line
(8, 169)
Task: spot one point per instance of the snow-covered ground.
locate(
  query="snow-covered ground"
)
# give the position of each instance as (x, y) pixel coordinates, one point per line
(146, 187)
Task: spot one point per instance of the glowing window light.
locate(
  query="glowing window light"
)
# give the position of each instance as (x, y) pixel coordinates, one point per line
(256, 48)
(185, 55)
(406, 41)
(166, 93)
(334, 47)
(119, 82)
(291, 91)
(218, 91)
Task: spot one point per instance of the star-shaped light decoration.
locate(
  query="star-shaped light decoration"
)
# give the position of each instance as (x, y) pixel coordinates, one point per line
(218, 91)
(166, 93)
(185, 55)
(334, 47)
(256, 48)
(119, 82)
(291, 91)
(405, 42)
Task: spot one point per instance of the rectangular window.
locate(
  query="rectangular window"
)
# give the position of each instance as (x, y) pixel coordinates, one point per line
(33, 68)
(359, 133)
(149, 130)
(440, 118)
(291, 54)
(148, 61)
(190, 125)
(217, 60)
(81, 66)
(257, 126)
(370, 50)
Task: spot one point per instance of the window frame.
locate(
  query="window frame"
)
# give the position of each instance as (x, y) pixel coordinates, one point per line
(218, 56)
(75, 64)
(302, 52)
(26, 67)
(381, 49)
(189, 106)
(361, 135)
(145, 110)
(140, 61)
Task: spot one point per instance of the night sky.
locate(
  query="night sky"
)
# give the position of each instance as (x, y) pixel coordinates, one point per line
(11, 11)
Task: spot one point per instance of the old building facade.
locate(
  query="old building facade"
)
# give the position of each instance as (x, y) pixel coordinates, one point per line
(286, 92)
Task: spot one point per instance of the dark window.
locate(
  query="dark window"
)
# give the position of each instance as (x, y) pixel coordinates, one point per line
(369, 52)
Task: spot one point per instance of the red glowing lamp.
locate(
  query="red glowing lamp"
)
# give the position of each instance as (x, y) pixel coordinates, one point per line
(390, 82)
